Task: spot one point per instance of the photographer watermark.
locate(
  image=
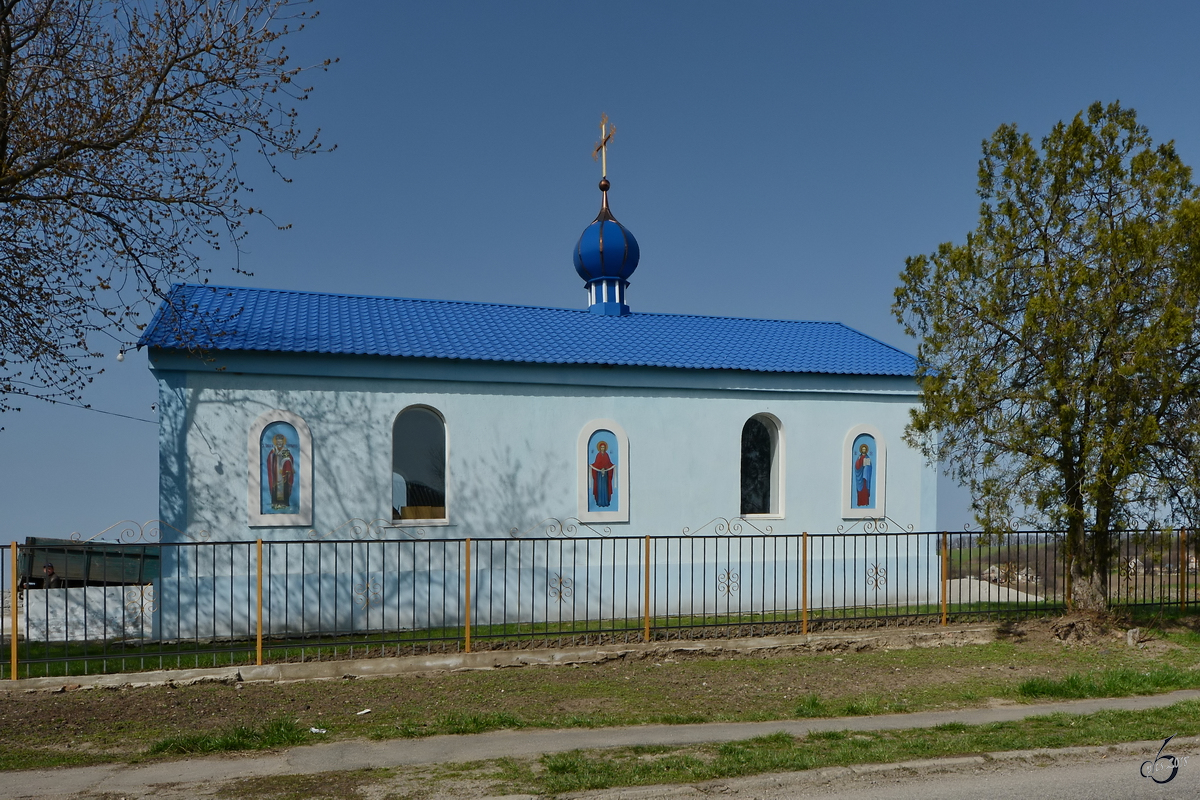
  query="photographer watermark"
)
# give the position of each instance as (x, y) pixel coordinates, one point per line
(1164, 767)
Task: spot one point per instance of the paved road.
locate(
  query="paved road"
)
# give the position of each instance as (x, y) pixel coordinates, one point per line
(123, 780)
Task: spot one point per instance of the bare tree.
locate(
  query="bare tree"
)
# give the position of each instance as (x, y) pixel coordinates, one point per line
(121, 122)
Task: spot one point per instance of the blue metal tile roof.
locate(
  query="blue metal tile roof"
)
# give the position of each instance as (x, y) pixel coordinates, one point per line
(223, 318)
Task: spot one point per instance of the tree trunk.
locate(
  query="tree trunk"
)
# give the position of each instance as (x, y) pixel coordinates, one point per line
(1087, 590)
(1089, 569)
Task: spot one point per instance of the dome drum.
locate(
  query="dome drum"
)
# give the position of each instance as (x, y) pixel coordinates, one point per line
(607, 296)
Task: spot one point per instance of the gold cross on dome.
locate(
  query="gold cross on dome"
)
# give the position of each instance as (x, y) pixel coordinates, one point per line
(607, 131)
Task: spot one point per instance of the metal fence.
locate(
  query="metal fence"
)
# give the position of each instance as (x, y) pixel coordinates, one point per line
(213, 604)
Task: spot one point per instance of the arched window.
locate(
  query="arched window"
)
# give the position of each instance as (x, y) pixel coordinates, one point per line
(419, 465)
(761, 466)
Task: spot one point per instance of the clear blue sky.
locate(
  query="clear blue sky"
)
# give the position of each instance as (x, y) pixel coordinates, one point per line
(773, 160)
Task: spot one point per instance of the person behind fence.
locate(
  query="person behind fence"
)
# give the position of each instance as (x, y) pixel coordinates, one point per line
(50, 579)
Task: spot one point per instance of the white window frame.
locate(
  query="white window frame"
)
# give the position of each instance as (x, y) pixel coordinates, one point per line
(848, 509)
(778, 464)
(257, 519)
(418, 523)
(581, 460)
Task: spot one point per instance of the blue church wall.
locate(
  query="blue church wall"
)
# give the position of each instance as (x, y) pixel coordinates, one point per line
(511, 445)
(512, 433)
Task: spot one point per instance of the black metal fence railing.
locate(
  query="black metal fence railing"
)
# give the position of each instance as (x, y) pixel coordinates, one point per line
(213, 604)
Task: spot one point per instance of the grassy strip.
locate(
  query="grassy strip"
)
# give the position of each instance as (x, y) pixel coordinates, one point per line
(276, 733)
(780, 752)
(15, 757)
(1117, 682)
(1121, 682)
(452, 723)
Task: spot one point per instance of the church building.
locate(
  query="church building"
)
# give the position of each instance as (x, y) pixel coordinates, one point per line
(288, 414)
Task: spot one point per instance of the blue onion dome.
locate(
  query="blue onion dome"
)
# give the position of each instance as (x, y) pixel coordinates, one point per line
(606, 249)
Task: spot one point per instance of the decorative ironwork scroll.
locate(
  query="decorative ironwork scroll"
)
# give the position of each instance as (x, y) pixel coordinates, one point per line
(998, 527)
(882, 524)
(561, 588)
(728, 582)
(766, 529)
(140, 602)
(368, 593)
(150, 532)
(552, 527)
(876, 576)
(1130, 570)
(728, 527)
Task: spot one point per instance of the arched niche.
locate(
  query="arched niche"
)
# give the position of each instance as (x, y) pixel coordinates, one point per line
(864, 473)
(602, 456)
(279, 461)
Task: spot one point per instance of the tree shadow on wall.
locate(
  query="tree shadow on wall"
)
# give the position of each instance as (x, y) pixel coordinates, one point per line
(218, 500)
(504, 490)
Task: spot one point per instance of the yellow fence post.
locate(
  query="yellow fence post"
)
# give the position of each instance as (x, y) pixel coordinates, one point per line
(12, 631)
(804, 583)
(258, 646)
(468, 596)
(646, 631)
(945, 577)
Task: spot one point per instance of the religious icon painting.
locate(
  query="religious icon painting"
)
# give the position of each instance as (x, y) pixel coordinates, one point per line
(864, 454)
(603, 454)
(279, 458)
(280, 470)
(863, 473)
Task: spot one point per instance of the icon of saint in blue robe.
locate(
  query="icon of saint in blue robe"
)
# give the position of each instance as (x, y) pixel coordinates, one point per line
(604, 472)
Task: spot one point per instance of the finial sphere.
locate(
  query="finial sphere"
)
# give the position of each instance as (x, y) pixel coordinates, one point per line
(604, 184)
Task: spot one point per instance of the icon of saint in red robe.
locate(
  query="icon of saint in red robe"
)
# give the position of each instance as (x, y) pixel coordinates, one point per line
(604, 472)
(281, 473)
(863, 471)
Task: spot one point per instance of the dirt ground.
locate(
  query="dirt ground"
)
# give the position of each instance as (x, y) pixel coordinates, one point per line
(97, 725)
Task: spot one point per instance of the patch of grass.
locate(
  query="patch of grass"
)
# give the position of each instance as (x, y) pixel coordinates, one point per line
(863, 706)
(17, 757)
(449, 723)
(276, 733)
(477, 723)
(1119, 682)
(950, 727)
(1185, 638)
(811, 705)
(681, 719)
(581, 771)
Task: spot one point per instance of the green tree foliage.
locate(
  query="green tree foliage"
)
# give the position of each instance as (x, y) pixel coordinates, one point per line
(121, 122)
(1059, 344)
